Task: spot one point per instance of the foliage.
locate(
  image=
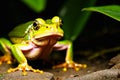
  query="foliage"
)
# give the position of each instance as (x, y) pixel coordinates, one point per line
(36, 5)
(112, 11)
(74, 19)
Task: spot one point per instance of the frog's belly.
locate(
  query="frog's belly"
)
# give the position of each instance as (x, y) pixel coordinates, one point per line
(37, 52)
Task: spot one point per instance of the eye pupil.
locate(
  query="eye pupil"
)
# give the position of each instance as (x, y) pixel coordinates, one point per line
(36, 26)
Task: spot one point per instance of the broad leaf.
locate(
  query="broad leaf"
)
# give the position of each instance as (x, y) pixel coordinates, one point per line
(112, 11)
(36, 5)
(74, 19)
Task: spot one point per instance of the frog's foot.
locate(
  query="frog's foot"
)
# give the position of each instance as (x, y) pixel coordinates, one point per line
(6, 58)
(24, 68)
(70, 64)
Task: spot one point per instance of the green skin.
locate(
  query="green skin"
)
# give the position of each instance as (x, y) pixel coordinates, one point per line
(35, 40)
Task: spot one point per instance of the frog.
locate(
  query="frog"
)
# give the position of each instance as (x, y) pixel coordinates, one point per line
(36, 40)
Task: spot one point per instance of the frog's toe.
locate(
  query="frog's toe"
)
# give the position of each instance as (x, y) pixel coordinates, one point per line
(71, 64)
(24, 68)
(6, 58)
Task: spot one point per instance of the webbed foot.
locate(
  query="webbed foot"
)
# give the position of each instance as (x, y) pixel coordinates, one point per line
(70, 64)
(24, 67)
(6, 58)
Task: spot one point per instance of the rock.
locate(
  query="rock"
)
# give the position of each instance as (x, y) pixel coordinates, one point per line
(30, 76)
(108, 74)
(115, 60)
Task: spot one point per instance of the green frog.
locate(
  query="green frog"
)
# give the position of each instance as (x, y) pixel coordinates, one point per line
(36, 40)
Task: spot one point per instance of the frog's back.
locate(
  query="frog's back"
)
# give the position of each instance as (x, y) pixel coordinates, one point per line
(18, 33)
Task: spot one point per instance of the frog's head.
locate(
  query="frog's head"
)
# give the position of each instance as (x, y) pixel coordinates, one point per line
(47, 29)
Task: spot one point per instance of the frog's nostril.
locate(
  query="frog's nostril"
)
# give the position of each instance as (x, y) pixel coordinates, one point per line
(46, 26)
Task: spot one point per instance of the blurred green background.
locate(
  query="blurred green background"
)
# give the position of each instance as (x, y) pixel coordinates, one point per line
(86, 30)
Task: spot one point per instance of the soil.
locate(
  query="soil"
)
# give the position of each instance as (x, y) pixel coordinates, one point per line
(55, 74)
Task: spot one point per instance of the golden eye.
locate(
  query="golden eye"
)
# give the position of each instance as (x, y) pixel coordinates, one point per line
(56, 19)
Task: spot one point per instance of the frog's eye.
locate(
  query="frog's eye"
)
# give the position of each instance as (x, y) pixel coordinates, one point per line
(36, 25)
(56, 19)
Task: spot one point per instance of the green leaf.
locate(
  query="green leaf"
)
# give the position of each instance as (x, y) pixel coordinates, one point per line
(36, 5)
(74, 19)
(112, 11)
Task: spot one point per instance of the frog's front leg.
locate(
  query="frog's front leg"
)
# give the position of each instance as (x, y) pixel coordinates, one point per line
(5, 49)
(23, 65)
(69, 63)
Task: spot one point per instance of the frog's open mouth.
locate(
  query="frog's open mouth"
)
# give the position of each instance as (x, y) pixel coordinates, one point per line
(43, 40)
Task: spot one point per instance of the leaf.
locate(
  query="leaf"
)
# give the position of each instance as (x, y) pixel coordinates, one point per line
(36, 5)
(74, 19)
(112, 11)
